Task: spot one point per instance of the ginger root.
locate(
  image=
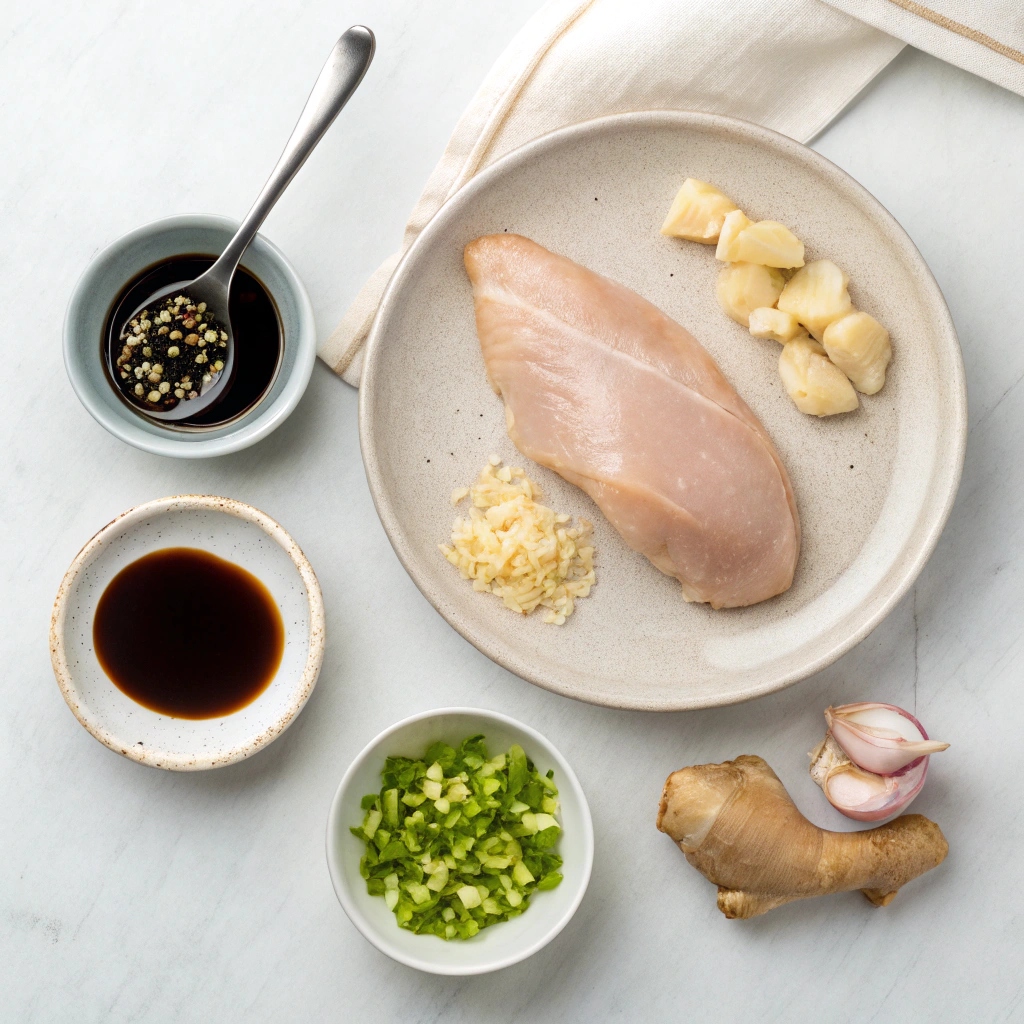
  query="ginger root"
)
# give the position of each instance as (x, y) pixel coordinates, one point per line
(738, 827)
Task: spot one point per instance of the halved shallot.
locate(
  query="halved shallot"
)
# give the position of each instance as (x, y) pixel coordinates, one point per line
(880, 738)
(859, 794)
(873, 760)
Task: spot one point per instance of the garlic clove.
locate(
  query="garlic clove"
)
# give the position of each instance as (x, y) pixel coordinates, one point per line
(734, 223)
(766, 322)
(859, 345)
(817, 295)
(770, 243)
(744, 287)
(861, 795)
(697, 212)
(817, 386)
(880, 738)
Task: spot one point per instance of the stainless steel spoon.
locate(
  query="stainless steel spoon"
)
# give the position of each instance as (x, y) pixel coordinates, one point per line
(339, 78)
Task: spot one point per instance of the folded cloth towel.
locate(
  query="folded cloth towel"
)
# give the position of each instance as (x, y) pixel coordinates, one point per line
(791, 65)
(985, 37)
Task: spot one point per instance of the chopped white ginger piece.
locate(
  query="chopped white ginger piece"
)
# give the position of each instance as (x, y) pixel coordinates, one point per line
(816, 295)
(859, 345)
(767, 242)
(766, 322)
(697, 212)
(744, 287)
(817, 386)
(734, 224)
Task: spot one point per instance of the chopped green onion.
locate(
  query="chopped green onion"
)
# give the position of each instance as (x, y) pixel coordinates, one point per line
(390, 801)
(469, 896)
(521, 875)
(439, 878)
(458, 841)
(370, 822)
(549, 881)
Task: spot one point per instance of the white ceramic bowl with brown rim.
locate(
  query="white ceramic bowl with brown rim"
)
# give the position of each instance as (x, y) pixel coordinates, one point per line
(230, 530)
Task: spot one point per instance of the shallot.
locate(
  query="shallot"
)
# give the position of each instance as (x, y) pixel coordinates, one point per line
(873, 760)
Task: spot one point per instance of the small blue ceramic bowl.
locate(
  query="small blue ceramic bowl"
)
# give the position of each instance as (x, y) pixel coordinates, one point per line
(102, 282)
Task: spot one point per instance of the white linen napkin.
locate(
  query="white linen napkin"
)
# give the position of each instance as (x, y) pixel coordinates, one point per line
(791, 65)
(985, 37)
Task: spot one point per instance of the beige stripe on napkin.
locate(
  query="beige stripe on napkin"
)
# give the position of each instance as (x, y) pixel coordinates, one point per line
(985, 37)
(791, 65)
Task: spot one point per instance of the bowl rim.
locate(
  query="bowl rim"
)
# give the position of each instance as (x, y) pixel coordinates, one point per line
(369, 931)
(254, 425)
(304, 686)
(500, 651)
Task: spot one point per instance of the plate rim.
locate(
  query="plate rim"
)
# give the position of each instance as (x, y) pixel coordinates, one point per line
(683, 119)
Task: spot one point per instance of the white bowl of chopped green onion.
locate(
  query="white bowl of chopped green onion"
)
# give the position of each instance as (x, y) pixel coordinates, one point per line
(460, 841)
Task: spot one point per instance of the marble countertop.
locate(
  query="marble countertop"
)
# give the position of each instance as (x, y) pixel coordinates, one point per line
(130, 894)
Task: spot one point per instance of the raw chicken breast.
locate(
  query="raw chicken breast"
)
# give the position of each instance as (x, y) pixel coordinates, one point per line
(606, 390)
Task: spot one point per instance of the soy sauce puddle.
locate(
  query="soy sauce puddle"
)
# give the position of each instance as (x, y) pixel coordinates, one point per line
(187, 634)
(254, 320)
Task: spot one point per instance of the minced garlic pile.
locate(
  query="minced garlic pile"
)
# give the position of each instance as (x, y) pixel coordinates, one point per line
(522, 551)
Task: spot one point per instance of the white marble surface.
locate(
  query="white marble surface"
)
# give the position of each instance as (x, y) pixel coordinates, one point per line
(129, 894)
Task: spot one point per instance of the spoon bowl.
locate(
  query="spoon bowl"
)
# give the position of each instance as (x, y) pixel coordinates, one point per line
(215, 293)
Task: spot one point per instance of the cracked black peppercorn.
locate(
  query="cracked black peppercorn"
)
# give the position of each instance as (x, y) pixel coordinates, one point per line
(170, 353)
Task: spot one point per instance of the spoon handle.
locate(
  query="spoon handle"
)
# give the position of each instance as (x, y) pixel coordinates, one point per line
(339, 78)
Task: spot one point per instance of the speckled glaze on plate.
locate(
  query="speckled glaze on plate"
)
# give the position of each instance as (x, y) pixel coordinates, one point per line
(233, 531)
(873, 487)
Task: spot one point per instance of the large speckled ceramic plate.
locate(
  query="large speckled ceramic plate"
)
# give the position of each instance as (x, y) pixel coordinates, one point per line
(873, 487)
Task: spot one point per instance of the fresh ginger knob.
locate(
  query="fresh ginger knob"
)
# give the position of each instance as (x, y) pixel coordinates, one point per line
(737, 825)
